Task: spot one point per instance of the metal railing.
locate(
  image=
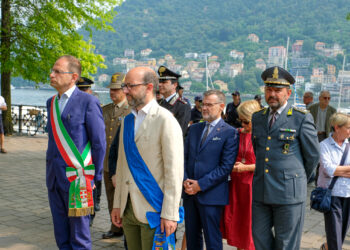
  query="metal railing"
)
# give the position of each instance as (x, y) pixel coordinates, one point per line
(29, 120)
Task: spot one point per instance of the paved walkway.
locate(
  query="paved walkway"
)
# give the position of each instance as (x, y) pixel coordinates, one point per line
(25, 218)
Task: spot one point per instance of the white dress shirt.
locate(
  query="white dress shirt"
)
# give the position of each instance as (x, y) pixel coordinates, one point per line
(141, 114)
(62, 101)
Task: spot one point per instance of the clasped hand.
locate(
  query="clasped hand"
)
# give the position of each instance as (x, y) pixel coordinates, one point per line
(191, 187)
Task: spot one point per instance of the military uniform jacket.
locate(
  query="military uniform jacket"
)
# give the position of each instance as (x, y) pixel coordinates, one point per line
(180, 110)
(112, 115)
(286, 155)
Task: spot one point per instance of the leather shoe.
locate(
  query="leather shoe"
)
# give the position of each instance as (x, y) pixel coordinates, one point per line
(111, 234)
(97, 207)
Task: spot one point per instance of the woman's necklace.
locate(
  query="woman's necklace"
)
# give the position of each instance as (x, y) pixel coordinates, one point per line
(244, 150)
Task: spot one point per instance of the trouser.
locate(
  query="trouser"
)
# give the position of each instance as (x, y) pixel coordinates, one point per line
(70, 232)
(200, 217)
(287, 221)
(97, 192)
(337, 222)
(138, 235)
(110, 197)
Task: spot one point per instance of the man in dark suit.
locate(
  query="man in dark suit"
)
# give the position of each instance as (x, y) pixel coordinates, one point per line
(168, 82)
(211, 148)
(76, 116)
(287, 151)
(321, 113)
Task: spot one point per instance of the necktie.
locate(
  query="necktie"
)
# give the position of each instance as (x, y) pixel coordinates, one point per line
(205, 134)
(273, 119)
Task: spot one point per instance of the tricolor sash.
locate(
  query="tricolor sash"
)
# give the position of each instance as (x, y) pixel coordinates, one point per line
(80, 171)
(148, 186)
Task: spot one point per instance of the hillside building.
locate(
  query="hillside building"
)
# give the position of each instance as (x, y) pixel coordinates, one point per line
(253, 38)
(146, 52)
(260, 64)
(236, 54)
(277, 55)
(222, 85)
(129, 53)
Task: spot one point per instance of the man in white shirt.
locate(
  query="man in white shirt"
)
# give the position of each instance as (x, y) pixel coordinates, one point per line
(3, 106)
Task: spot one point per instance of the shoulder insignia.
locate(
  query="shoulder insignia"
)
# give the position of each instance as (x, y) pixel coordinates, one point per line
(301, 110)
(107, 105)
(262, 111)
(290, 111)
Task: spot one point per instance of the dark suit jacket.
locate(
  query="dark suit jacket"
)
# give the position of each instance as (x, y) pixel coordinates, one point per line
(82, 118)
(286, 155)
(212, 162)
(330, 111)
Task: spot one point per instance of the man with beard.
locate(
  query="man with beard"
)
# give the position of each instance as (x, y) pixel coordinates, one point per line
(168, 82)
(211, 148)
(287, 151)
(149, 168)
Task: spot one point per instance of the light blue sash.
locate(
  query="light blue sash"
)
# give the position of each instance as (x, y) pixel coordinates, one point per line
(147, 186)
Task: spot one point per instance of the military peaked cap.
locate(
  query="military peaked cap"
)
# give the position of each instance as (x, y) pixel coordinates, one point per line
(166, 74)
(116, 81)
(84, 82)
(277, 77)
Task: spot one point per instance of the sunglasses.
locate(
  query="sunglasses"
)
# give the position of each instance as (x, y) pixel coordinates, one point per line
(246, 122)
(326, 98)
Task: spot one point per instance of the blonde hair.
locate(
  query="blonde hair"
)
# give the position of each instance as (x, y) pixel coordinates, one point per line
(247, 108)
(339, 119)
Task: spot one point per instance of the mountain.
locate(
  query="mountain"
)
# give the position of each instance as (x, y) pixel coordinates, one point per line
(178, 26)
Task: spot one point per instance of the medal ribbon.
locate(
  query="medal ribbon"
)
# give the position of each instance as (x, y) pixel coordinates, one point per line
(80, 171)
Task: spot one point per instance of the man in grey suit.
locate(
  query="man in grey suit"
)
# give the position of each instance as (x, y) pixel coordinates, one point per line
(287, 151)
(321, 113)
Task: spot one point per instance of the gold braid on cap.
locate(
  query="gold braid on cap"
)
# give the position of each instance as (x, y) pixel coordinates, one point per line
(275, 79)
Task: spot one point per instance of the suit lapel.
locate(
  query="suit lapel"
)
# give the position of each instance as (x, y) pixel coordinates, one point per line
(213, 132)
(70, 102)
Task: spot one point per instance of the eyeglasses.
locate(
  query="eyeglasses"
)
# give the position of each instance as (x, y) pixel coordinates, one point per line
(130, 86)
(209, 105)
(56, 72)
(326, 97)
(246, 122)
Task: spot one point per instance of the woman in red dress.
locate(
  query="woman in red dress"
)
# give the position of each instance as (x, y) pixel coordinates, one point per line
(237, 218)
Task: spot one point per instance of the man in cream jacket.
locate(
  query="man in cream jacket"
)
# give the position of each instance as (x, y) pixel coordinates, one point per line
(159, 141)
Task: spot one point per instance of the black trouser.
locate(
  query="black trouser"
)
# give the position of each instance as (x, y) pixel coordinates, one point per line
(337, 222)
(96, 195)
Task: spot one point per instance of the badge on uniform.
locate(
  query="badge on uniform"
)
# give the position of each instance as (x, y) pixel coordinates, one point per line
(285, 148)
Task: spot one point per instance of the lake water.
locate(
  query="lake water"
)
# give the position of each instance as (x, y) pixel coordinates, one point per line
(38, 97)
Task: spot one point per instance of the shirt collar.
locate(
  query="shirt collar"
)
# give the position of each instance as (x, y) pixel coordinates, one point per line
(146, 108)
(120, 104)
(214, 123)
(333, 141)
(169, 97)
(280, 110)
(69, 92)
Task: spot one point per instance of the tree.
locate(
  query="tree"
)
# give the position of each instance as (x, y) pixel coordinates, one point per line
(35, 32)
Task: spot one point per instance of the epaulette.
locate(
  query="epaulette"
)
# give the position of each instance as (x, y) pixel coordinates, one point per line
(180, 100)
(304, 111)
(107, 105)
(263, 111)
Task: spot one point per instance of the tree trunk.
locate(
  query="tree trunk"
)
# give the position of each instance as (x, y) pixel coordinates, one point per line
(5, 62)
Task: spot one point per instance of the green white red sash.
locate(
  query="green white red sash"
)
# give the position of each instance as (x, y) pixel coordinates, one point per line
(80, 171)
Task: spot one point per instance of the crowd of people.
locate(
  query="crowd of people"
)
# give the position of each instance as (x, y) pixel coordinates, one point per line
(241, 175)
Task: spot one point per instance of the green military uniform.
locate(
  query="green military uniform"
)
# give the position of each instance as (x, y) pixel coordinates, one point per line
(112, 115)
(286, 155)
